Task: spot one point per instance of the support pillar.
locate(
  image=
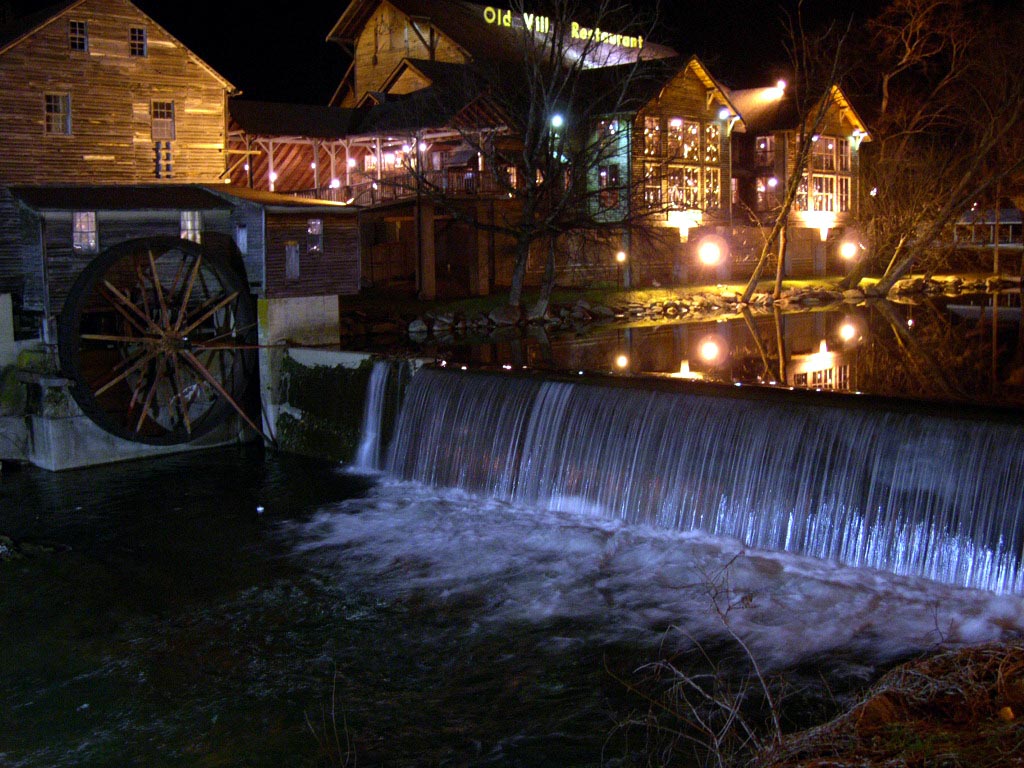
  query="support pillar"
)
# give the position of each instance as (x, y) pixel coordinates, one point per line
(426, 261)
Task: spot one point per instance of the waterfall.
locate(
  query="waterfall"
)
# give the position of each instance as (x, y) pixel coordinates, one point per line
(897, 489)
(368, 451)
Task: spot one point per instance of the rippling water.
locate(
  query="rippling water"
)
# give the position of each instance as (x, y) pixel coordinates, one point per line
(198, 610)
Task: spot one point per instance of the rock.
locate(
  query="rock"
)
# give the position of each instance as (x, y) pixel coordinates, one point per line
(506, 315)
(538, 311)
(443, 321)
(418, 327)
(583, 304)
(853, 293)
(599, 310)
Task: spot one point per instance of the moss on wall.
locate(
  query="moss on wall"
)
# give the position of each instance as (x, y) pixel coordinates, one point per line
(330, 402)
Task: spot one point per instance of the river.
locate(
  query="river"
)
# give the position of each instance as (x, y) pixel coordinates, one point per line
(239, 607)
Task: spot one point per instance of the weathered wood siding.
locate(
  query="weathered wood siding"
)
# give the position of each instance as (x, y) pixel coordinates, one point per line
(388, 38)
(335, 271)
(111, 94)
(63, 264)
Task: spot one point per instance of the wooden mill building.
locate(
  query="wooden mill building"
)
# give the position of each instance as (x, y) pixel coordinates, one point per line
(96, 92)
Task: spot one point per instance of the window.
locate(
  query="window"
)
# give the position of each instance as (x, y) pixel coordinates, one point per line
(823, 153)
(137, 42)
(845, 155)
(844, 193)
(823, 197)
(827, 184)
(291, 260)
(608, 183)
(192, 226)
(692, 154)
(767, 193)
(162, 116)
(315, 236)
(712, 143)
(652, 136)
(764, 151)
(242, 238)
(58, 113)
(78, 36)
(84, 236)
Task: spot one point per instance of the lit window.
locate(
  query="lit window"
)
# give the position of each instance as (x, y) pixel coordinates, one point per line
(192, 226)
(608, 182)
(845, 153)
(844, 193)
(137, 42)
(85, 238)
(58, 113)
(162, 116)
(315, 236)
(823, 153)
(712, 143)
(652, 136)
(78, 36)
(764, 155)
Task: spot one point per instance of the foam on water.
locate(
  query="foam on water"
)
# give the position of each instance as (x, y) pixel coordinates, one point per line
(635, 582)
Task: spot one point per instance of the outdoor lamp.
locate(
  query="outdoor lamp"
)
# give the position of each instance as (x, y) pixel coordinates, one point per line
(849, 250)
(621, 257)
(711, 250)
(557, 121)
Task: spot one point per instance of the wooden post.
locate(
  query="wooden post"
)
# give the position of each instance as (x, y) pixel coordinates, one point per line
(426, 262)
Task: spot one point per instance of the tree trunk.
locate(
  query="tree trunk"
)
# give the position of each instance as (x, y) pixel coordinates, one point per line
(515, 291)
(780, 267)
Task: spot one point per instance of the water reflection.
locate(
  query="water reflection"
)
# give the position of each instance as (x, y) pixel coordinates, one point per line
(964, 349)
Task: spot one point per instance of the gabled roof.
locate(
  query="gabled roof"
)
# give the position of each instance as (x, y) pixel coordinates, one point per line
(767, 109)
(647, 81)
(460, 21)
(29, 25)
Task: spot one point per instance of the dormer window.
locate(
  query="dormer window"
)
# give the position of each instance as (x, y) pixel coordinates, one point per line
(78, 36)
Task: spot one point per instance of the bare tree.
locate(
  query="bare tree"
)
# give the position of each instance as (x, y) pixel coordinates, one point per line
(817, 62)
(550, 124)
(952, 103)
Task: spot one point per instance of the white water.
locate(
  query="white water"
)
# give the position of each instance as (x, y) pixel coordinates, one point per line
(902, 492)
(368, 451)
(636, 583)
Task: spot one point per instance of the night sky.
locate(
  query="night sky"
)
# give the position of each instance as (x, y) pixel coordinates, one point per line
(281, 54)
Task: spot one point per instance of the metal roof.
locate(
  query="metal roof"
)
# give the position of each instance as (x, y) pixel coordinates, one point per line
(152, 197)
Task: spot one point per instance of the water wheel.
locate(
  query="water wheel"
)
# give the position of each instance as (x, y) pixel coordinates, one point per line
(158, 337)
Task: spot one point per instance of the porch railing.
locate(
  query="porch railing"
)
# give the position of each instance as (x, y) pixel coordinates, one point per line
(367, 191)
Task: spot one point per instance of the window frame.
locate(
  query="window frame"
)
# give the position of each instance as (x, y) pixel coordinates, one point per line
(192, 226)
(134, 46)
(78, 36)
(85, 236)
(50, 117)
(315, 237)
(166, 125)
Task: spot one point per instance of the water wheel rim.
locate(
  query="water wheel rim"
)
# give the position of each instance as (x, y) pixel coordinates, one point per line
(156, 335)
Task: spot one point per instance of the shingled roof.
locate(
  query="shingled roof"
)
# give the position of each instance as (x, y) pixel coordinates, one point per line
(265, 118)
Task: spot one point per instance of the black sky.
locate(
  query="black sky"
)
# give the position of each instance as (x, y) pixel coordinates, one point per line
(279, 52)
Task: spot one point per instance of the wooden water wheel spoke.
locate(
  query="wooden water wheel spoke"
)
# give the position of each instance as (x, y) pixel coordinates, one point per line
(158, 337)
(159, 291)
(125, 374)
(187, 293)
(179, 392)
(117, 306)
(205, 373)
(151, 393)
(124, 303)
(141, 283)
(210, 313)
(233, 333)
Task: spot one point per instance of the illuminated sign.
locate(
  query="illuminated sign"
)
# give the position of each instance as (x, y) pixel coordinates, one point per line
(542, 25)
